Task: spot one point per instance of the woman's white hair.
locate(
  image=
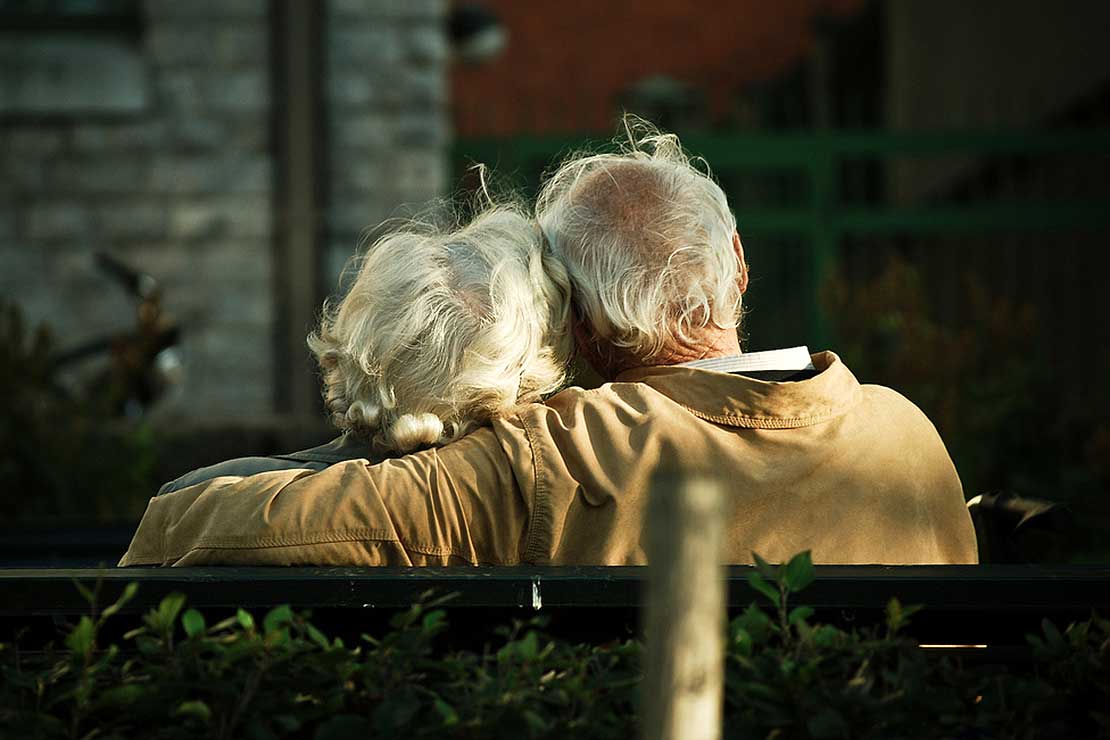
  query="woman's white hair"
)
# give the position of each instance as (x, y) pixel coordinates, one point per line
(443, 329)
(646, 237)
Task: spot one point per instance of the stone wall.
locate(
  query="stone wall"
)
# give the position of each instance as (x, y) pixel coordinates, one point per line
(386, 118)
(181, 190)
(185, 188)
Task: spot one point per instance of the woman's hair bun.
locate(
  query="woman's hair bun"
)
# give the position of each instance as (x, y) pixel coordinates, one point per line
(411, 431)
(362, 415)
(443, 329)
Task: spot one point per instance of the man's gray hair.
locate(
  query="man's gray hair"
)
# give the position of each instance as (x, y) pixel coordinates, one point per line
(646, 237)
(443, 329)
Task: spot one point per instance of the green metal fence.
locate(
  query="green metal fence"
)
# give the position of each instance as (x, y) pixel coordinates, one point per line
(810, 208)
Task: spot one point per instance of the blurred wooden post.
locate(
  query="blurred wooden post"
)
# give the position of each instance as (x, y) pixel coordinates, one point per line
(684, 615)
(296, 49)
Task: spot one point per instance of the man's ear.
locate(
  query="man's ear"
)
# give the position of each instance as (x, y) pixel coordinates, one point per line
(588, 348)
(741, 262)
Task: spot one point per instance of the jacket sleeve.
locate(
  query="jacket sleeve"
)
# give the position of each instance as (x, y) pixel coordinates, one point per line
(239, 467)
(458, 504)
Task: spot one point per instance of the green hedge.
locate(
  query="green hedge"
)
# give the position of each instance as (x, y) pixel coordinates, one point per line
(176, 676)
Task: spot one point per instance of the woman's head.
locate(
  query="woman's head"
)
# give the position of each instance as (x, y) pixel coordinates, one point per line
(443, 329)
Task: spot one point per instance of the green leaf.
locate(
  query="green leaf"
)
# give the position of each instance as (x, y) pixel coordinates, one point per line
(245, 619)
(768, 571)
(1103, 721)
(171, 606)
(193, 622)
(799, 572)
(278, 638)
(760, 584)
(407, 618)
(1076, 634)
(51, 727)
(742, 639)
(224, 624)
(897, 615)
(827, 723)
(894, 614)
(1053, 637)
(276, 618)
(121, 696)
(755, 623)
(342, 727)
(86, 594)
(256, 730)
(396, 711)
(129, 592)
(799, 615)
(287, 723)
(537, 723)
(433, 620)
(317, 636)
(132, 634)
(106, 658)
(529, 647)
(165, 616)
(80, 640)
(447, 712)
(761, 690)
(825, 635)
(195, 708)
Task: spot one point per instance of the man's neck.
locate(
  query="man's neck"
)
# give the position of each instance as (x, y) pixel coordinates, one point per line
(719, 343)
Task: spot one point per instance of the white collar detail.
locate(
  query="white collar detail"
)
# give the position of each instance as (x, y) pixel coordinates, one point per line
(794, 358)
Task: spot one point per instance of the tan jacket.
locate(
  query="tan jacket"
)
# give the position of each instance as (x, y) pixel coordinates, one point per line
(857, 474)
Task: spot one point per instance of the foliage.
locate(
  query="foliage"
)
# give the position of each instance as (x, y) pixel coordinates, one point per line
(177, 676)
(62, 457)
(978, 381)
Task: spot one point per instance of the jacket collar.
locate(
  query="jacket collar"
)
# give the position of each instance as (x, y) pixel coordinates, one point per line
(344, 447)
(735, 400)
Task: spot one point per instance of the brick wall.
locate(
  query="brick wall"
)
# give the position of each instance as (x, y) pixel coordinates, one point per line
(184, 190)
(568, 63)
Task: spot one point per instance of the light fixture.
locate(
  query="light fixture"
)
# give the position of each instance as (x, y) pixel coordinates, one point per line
(476, 33)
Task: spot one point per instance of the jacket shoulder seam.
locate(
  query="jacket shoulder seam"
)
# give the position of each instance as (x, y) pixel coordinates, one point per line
(774, 422)
(539, 493)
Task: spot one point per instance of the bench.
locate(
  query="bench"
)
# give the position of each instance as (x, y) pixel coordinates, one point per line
(994, 605)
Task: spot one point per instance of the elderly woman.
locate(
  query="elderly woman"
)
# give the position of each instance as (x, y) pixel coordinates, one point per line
(440, 332)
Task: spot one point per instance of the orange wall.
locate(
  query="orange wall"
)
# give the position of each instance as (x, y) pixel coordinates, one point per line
(567, 60)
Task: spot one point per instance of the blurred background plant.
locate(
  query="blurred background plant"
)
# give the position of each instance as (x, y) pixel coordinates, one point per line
(64, 457)
(180, 673)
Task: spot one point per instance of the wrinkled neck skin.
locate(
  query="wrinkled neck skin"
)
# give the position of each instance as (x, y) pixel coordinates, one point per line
(610, 361)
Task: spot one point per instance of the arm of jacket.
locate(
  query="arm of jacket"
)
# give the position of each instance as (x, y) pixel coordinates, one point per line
(459, 504)
(238, 467)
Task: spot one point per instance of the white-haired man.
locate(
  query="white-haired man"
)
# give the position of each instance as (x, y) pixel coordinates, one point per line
(811, 458)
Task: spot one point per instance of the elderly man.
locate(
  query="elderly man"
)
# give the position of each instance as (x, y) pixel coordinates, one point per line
(811, 458)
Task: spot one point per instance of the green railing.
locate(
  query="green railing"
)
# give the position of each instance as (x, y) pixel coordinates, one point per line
(816, 211)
